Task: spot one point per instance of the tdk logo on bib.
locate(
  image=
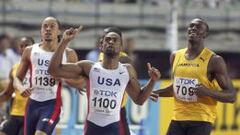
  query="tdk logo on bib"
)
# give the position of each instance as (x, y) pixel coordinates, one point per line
(186, 81)
(105, 93)
(108, 81)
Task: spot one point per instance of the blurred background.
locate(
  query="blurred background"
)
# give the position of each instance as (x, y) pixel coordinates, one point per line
(152, 29)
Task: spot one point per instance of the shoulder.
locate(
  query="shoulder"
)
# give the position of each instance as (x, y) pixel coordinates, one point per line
(130, 68)
(216, 59)
(27, 52)
(172, 57)
(180, 51)
(125, 59)
(28, 49)
(216, 63)
(127, 65)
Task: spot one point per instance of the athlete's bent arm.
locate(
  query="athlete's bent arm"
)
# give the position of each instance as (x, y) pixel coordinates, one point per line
(217, 68)
(21, 72)
(165, 92)
(140, 95)
(77, 83)
(69, 70)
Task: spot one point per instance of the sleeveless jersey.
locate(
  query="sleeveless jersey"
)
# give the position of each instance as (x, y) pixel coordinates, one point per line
(45, 86)
(125, 96)
(19, 102)
(188, 73)
(105, 93)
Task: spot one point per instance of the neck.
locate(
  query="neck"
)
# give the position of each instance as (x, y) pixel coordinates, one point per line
(49, 46)
(110, 62)
(194, 49)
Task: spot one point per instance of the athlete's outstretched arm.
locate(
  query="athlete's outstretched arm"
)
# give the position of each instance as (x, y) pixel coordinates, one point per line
(217, 68)
(140, 95)
(69, 70)
(7, 93)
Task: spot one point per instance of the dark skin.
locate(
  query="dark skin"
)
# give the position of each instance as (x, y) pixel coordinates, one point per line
(197, 32)
(49, 32)
(7, 94)
(49, 35)
(111, 47)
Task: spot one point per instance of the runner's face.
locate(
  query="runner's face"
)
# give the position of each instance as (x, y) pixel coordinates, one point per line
(112, 44)
(197, 30)
(23, 43)
(50, 29)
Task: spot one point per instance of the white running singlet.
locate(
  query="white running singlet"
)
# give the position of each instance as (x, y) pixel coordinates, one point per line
(45, 86)
(105, 93)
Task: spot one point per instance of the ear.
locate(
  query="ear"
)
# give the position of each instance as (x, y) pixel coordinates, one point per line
(205, 34)
(100, 46)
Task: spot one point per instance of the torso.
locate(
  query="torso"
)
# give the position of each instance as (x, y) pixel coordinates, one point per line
(45, 86)
(188, 73)
(105, 93)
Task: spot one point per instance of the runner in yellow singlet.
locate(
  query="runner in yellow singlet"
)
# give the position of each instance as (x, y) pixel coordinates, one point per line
(194, 71)
(14, 125)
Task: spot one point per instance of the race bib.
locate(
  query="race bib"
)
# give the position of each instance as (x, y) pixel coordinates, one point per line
(44, 81)
(104, 101)
(184, 89)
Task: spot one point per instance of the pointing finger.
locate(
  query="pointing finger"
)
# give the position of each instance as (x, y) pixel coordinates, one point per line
(149, 66)
(79, 28)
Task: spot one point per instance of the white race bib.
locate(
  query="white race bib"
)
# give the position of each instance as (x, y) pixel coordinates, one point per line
(104, 101)
(184, 89)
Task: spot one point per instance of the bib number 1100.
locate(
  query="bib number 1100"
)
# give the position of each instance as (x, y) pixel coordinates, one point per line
(104, 102)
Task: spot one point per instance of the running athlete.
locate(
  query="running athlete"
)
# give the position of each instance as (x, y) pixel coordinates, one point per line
(123, 58)
(44, 104)
(194, 71)
(107, 82)
(15, 123)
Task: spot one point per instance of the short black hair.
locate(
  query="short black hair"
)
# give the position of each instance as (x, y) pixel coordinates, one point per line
(204, 22)
(112, 29)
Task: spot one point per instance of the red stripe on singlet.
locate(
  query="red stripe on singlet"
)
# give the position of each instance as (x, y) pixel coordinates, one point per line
(58, 104)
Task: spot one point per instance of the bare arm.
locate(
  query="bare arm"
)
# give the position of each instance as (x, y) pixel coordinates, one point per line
(217, 68)
(22, 70)
(140, 95)
(7, 94)
(79, 83)
(69, 70)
